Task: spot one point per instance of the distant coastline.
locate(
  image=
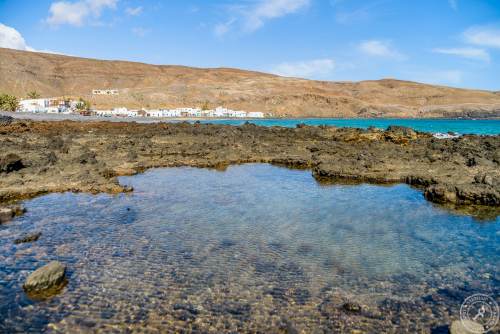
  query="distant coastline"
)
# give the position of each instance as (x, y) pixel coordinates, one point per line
(110, 84)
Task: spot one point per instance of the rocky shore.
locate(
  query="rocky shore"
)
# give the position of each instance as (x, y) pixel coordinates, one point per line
(43, 157)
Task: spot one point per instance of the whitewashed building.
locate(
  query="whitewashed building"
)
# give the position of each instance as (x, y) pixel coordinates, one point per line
(45, 105)
(255, 114)
(154, 113)
(171, 113)
(121, 112)
(34, 105)
(224, 112)
(105, 92)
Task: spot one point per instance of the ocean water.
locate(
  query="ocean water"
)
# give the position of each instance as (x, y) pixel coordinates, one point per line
(480, 127)
(253, 248)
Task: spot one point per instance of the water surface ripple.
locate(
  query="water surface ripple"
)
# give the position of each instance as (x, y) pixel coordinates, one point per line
(253, 248)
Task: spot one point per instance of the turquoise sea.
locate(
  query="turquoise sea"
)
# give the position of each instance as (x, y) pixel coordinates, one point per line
(461, 126)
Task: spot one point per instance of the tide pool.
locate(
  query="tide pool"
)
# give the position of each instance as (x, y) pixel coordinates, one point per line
(256, 248)
(461, 126)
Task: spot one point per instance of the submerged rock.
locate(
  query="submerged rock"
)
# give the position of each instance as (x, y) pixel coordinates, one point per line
(465, 327)
(351, 307)
(47, 279)
(28, 238)
(7, 213)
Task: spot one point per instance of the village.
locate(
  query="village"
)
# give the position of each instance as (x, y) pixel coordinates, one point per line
(82, 107)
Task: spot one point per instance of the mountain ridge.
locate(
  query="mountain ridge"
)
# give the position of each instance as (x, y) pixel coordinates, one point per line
(144, 85)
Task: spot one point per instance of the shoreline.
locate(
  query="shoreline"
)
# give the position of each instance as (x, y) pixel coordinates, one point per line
(462, 174)
(64, 117)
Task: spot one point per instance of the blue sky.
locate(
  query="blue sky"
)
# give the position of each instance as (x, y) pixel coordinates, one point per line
(449, 42)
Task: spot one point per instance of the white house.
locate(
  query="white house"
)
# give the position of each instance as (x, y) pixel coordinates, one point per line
(255, 114)
(154, 113)
(171, 113)
(105, 92)
(189, 112)
(52, 110)
(224, 112)
(180, 112)
(122, 112)
(133, 113)
(34, 105)
(51, 105)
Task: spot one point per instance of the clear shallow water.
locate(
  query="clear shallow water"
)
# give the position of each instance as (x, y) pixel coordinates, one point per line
(255, 247)
(480, 127)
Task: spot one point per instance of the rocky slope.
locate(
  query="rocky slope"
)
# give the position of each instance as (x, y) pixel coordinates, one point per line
(150, 86)
(43, 157)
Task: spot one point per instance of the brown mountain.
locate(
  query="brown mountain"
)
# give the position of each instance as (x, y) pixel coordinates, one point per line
(152, 86)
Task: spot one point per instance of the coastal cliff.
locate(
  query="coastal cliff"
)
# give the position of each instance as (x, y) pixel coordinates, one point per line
(153, 86)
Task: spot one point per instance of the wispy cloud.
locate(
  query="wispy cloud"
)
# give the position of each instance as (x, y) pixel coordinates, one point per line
(485, 36)
(134, 11)
(348, 15)
(251, 17)
(453, 4)
(470, 53)
(380, 48)
(311, 69)
(78, 12)
(223, 28)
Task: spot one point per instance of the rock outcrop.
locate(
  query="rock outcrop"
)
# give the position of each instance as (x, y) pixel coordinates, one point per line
(456, 172)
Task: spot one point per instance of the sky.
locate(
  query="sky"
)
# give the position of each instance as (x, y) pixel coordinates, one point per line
(446, 42)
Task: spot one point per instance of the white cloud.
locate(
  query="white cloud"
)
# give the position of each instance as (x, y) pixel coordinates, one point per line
(76, 13)
(317, 68)
(483, 36)
(253, 17)
(134, 11)
(453, 4)
(470, 53)
(271, 9)
(223, 28)
(380, 49)
(11, 38)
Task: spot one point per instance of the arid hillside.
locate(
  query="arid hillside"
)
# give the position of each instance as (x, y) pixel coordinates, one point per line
(152, 86)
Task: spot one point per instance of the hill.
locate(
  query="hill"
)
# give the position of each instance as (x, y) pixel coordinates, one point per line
(153, 86)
